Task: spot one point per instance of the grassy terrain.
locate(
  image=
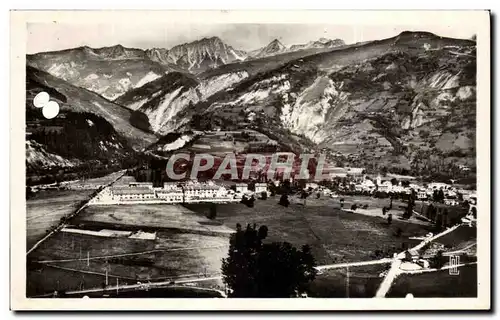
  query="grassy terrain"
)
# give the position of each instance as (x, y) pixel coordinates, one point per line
(437, 284)
(148, 216)
(45, 279)
(183, 250)
(94, 183)
(44, 210)
(334, 235)
(171, 255)
(362, 282)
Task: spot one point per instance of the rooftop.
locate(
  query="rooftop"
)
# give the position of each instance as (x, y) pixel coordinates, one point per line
(202, 187)
(132, 190)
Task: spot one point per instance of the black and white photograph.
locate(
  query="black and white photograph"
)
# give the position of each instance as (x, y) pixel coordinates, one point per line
(223, 155)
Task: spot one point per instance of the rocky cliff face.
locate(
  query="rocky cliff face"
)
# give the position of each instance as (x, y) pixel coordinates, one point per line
(198, 56)
(109, 71)
(163, 99)
(273, 48)
(78, 100)
(386, 99)
(394, 100)
(321, 43)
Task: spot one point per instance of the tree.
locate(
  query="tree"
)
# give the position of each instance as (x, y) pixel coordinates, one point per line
(383, 171)
(441, 195)
(437, 261)
(411, 204)
(249, 202)
(435, 196)
(304, 194)
(263, 195)
(266, 270)
(284, 200)
(213, 211)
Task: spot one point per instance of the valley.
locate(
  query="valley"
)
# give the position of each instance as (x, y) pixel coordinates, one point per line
(395, 119)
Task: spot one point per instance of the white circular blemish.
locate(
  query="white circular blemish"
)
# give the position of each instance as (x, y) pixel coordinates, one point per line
(41, 99)
(409, 296)
(50, 110)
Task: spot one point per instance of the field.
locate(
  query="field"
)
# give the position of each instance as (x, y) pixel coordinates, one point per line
(437, 284)
(94, 183)
(186, 247)
(172, 255)
(222, 142)
(362, 282)
(190, 247)
(457, 239)
(44, 209)
(335, 236)
(148, 217)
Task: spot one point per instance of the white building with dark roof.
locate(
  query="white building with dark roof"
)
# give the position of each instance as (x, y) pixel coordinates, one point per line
(170, 193)
(118, 195)
(260, 187)
(201, 192)
(241, 187)
(133, 194)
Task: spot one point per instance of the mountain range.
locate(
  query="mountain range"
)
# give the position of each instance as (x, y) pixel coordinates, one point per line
(406, 102)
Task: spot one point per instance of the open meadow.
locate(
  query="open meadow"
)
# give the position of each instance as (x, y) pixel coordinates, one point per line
(354, 282)
(189, 246)
(437, 284)
(95, 183)
(44, 209)
(335, 236)
(148, 217)
(185, 247)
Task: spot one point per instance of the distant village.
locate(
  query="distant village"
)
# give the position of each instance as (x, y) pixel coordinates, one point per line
(171, 193)
(357, 183)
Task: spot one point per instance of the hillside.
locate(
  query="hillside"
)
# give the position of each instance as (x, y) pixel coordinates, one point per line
(176, 93)
(109, 71)
(406, 103)
(74, 99)
(392, 100)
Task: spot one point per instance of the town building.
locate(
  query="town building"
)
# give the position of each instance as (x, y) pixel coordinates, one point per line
(204, 192)
(366, 185)
(241, 187)
(132, 194)
(170, 193)
(385, 186)
(437, 186)
(357, 174)
(117, 195)
(260, 187)
(422, 195)
(451, 202)
(141, 184)
(411, 255)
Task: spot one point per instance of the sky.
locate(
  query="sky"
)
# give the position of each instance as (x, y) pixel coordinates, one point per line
(56, 36)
